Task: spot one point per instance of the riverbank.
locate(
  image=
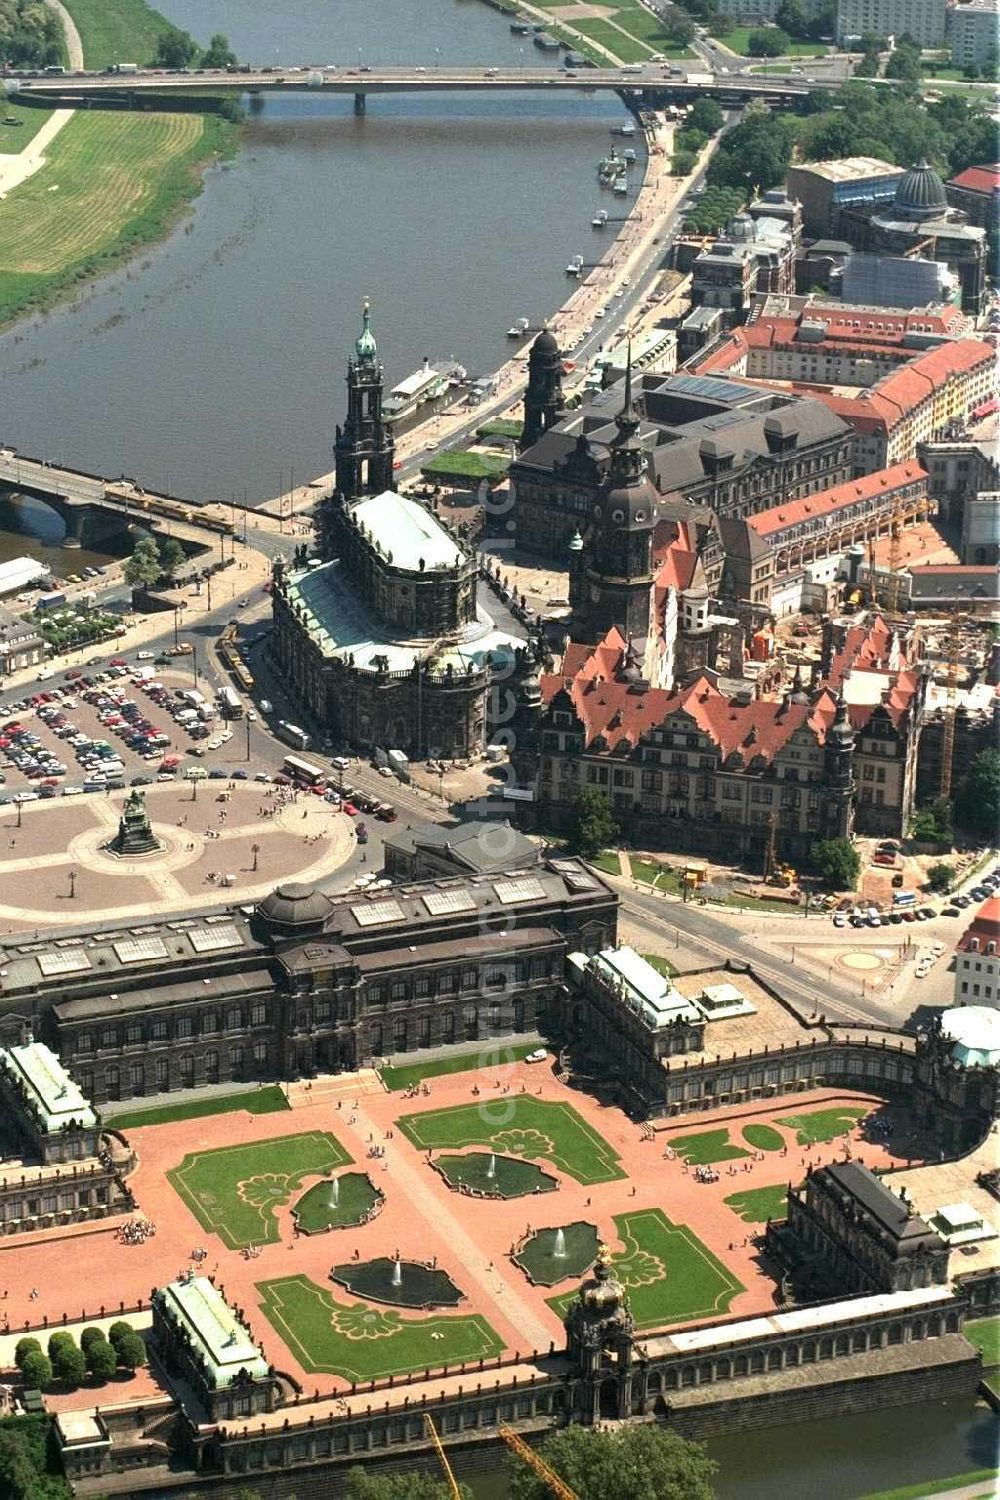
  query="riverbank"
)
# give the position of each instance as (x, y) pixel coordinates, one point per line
(110, 185)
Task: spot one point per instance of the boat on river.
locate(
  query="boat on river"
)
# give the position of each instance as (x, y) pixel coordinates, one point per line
(430, 382)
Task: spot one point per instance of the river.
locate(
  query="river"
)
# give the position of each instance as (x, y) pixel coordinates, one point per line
(214, 366)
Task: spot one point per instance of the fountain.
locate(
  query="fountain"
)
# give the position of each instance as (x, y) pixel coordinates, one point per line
(415, 1284)
(548, 1256)
(397, 1272)
(491, 1169)
(559, 1246)
(333, 1195)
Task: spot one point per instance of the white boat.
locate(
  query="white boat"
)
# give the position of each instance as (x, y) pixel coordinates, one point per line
(620, 186)
(519, 329)
(628, 128)
(629, 153)
(575, 266)
(600, 219)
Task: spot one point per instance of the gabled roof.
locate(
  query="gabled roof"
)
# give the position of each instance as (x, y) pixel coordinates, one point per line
(825, 502)
(984, 927)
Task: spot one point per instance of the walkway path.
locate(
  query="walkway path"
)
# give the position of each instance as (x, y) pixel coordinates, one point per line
(17, 168)
(74, 45)
(429, 1209)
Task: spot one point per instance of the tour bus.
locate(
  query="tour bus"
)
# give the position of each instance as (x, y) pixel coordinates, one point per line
(230, 702)
(293, 735)
(904, 898)
(303, 771)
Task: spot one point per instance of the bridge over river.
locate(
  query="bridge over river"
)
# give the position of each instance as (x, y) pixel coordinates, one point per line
(156, 88)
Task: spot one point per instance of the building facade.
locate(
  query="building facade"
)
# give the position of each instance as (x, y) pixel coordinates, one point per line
(924, 20)
(306, 983)
(977, 958)
(974, 32)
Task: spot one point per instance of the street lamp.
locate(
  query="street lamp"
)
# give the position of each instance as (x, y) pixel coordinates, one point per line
(247, 725)
(20, 809)
(177, 615)
(194, 789)
(254, 850)
(72, 884)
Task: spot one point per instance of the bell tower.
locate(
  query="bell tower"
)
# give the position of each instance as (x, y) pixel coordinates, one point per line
(543, 398)
(364, 450)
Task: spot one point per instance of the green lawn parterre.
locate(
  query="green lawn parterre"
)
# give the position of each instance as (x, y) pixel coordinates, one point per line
(821, 1125)
(488, 1056)
(359, 1342)
(118, 30)
(985, 1334)
(233, 1190)
(519, 1126)
(764, 1137)
(260, 1101)
(757, 1205)
(705, 1147)
(669, 1275)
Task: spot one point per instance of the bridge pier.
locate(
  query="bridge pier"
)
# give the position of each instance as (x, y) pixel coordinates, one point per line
(360, 104)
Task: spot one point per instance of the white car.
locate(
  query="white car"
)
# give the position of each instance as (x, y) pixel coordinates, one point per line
(226, 736)
(251, 716)
(384, 771)
(538, 1056)
(840, 919)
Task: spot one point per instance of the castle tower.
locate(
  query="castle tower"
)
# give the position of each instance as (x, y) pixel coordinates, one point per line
(363, 451)
(600, 1335)
(617, 587)
(543, 398)
(838, 765)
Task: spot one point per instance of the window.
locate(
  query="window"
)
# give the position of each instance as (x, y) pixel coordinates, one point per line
(234, 1018)
(159, 1031)
(133, 1035)
(260, 1054)
(258, 1015)
(209, 1022)
(398, 990)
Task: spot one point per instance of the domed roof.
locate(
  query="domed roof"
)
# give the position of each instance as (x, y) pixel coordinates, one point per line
(975, 1032)
(294, 905)
(364, 345)
(921, 194)
(545, 343)
(631, 505)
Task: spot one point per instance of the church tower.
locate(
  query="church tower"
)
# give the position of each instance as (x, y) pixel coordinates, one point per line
(543, 398)
(617, 583)
(363, 451)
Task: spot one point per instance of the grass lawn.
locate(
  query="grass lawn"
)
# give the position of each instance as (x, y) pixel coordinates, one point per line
(737, 39)
(669, 1274)
(488, 1056)
(823, 1124)
(14, 138)
(757, 1205)
(232, 1190)
(985, 1477)
(608, 861)
(500, 427)
(117, 30)
(705, 1147)
(759, 903)
(265, 1101)
(985, 1334)
(661, 965)
(111, 182)
(457, 463)
(764, 1137)
(360, 1342)
(519, 1126)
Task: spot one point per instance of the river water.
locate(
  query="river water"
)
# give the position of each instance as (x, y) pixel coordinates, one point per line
(215, 365)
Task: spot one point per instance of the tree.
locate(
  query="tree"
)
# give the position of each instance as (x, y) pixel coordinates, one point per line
(143, 568)
(939, 877)
(904, 63)
(791, 17)
(172, 557)
(977, 800)
(101, 1360)
(91, 1335)
(131, 1352)
(837, 863)
(219, 54)
(682, 164)
(767, 42)
(175, 49)
(29, 1466)
(37, 1370)
(633, 1463)
(933, 825)
(60, 1340)
(690, 140)
(592, 826)
(25, 1347)
(118, 1331)
(69, 1365)
(705, 115)
(361, 1485)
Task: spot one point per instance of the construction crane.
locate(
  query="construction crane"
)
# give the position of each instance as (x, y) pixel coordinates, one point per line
(528, 1455)
(452, 1482)
(896, 523)
(953, 648)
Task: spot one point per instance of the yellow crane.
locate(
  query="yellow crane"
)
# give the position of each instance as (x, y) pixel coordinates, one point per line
(954, 650)
(896, 525)
(452, 1482)
(528, 1455)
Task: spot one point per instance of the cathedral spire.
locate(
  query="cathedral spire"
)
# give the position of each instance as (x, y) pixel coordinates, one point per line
(364, 345)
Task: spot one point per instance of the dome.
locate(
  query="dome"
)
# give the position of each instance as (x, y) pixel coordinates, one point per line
(545, 343)
(631, 505)
(294, 905)
(975, 1032)
(921, 194)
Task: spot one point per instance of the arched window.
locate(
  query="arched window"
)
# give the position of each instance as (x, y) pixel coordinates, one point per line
(187, 1072)
(112, 1082)
(212, 1067)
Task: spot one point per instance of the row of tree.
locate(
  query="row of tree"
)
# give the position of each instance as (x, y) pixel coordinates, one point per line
(177, 49)
(98, 1355)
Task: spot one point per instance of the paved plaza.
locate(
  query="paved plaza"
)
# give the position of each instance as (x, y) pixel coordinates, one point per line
(684, 1246)
(222, 842)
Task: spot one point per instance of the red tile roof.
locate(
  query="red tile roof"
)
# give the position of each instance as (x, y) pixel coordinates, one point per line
(985, 926)
(825, 502)
(978, 179)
